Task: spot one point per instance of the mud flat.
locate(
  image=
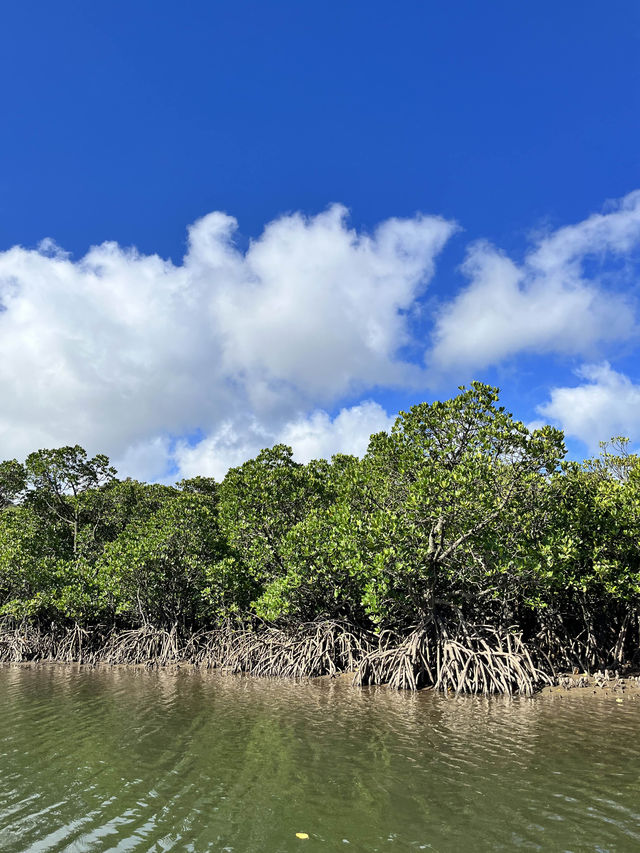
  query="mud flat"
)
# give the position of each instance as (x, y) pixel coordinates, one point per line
(603, 685)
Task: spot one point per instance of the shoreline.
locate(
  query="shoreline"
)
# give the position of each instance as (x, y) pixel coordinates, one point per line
(569, 686)
(604, 685)
(428, 657)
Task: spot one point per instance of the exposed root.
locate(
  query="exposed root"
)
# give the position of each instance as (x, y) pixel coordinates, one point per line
(467, 659)
(316, 648)
(453, 657)
(20, 641)
(312, 649)
(146, 645)
(23, 641)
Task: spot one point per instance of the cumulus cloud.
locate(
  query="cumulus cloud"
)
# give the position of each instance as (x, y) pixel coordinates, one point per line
(318, 436)
(606, 404)
(314, 436)
(323, 310)
(152, 459)
(551, 303)
(175, 369)
(125, 353)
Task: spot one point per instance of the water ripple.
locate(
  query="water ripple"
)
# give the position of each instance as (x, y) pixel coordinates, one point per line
(129, 760)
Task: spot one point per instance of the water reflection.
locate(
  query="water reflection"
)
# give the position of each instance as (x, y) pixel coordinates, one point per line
(121, 759)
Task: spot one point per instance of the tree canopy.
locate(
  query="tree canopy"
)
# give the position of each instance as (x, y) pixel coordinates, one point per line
(459, 516)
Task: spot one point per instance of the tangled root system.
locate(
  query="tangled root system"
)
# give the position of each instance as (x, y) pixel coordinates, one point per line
(465, 659)
(458, 657)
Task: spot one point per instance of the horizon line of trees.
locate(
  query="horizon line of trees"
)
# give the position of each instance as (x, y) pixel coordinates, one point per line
(459, 512)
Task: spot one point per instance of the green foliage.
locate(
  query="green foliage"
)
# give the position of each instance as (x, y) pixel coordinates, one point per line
(200, 486)
(452, 494)
(28, 563)
(160, 570)
(57, 481)
(322, 570)
(596, 546)
(259, 504)
(13, 482)
(460, 512)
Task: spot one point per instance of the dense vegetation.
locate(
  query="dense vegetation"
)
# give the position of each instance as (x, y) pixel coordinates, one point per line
(461, 551)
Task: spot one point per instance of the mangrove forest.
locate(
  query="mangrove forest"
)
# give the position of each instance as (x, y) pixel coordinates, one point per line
(462, 552)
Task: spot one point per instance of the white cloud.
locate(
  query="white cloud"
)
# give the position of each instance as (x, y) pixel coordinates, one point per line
(129, 354)
(317, 436)
(312, 437)
(225, 446)
(122, 352)
(321, 309)
(147, 460)
(547, 304)
(605, 405)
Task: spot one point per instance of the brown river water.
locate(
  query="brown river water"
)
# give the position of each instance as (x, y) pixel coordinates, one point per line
(127, 759)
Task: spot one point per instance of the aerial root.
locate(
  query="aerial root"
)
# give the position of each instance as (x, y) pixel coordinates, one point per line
(21, 641)
(456, 657)
(465, 659)
(24, 641)
(145, 645)
(324, 647)
(316, 648)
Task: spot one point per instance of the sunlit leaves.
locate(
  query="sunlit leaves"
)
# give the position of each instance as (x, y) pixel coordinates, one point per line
(459, 511)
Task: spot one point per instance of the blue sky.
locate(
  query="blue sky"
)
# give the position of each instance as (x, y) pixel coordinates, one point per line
(484, 158)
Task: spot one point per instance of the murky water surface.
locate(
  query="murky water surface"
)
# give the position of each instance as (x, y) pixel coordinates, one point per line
(95, 760)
